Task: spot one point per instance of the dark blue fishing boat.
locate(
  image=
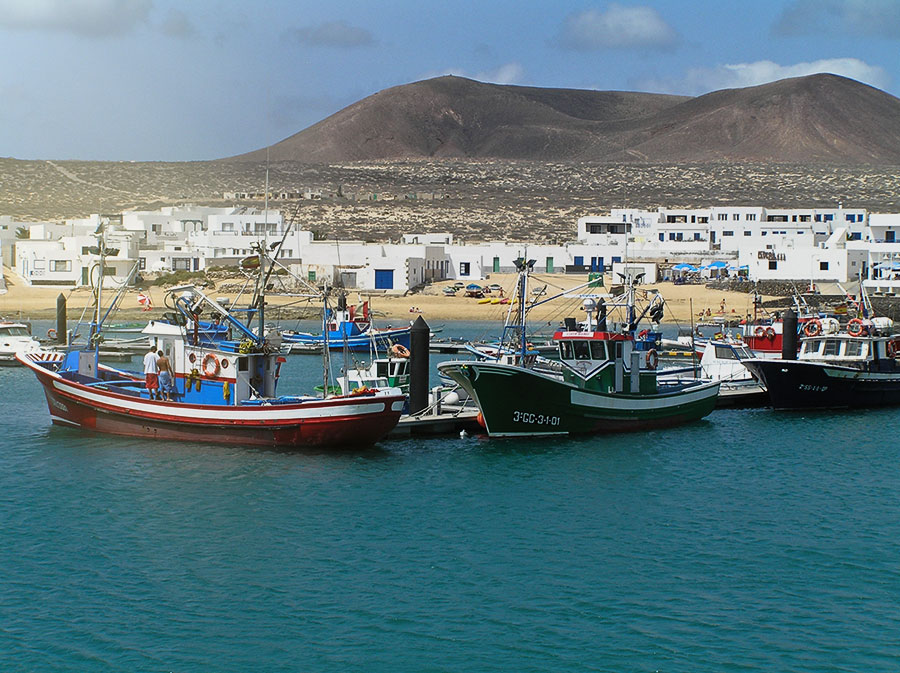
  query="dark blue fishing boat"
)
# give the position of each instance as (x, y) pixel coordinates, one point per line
(351, 327)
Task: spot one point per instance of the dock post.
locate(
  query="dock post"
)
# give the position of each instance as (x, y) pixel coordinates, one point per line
(419, 338)
(61, 333)
(789, 336)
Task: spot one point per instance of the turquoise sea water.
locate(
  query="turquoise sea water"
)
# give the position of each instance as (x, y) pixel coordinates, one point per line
(751, 541)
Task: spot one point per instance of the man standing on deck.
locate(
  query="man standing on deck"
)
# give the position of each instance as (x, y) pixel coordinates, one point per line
(151, 373)
(165, 377)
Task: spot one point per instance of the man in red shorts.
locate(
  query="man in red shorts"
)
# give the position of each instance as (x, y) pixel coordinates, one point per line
(151, 373)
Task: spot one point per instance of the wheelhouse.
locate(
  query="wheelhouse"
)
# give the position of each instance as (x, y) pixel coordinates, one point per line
(606, 361)
(839, 347)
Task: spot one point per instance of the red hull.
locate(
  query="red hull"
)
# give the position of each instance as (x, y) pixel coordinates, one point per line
(349, 421)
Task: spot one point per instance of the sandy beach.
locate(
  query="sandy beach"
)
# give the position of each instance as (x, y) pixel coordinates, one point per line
(21, 301)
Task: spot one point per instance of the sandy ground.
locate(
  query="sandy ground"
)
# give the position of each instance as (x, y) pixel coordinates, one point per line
(21, 301)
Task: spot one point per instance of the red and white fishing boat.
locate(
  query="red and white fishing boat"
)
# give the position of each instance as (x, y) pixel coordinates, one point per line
(224, 389)
(116, 402)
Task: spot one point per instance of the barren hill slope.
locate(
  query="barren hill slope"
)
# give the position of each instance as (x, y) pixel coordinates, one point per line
(457, 117)
(818, 118)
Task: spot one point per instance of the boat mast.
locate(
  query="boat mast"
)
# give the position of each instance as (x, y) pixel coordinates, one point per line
(326, 356)
(102, 251)
(523, 265)
(264, 248)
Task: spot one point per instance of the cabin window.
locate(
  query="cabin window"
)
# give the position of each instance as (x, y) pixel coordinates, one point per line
(832, 347)
(598, 350)
(725, 353)
(242, 364)
(582, 350)
(381, 369)
(854, 349)
(810, 346)
(565, 350)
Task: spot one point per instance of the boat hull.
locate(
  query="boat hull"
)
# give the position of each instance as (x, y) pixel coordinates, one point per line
(520, 402)
(338, 422)
(794, 384)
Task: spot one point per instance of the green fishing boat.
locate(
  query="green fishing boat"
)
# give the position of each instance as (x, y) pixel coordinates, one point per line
(606, 380)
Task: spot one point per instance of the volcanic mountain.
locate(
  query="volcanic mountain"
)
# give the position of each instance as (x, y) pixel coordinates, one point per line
(818, 118)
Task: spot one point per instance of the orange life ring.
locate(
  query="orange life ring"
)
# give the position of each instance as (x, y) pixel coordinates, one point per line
(760, 331)
(400, 351)
(652, 358)
(770, 333)
(210, 365)
(51, 333)
(813, 328)
(855, 327)
(892, 348)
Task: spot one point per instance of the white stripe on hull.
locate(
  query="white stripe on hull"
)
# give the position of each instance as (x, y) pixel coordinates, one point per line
(173, 411)
(620, 401)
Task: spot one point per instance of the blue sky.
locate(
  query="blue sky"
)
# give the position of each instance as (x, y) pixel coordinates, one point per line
(172, 81)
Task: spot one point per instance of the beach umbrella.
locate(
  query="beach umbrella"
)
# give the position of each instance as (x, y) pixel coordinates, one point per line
(684, 267)
(718, 264)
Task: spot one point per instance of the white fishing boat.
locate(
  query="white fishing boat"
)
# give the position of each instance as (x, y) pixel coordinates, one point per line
(16, 338)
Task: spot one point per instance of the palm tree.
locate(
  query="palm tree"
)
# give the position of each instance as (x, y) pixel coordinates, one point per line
(22, 233)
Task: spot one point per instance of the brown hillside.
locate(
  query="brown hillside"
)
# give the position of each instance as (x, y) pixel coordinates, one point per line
(457, 117)
(819, 118)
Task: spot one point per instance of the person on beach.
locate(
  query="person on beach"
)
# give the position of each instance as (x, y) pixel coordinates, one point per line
(166, 387)
(151, 373)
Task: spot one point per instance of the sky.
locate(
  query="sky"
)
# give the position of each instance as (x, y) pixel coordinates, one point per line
(163, 80)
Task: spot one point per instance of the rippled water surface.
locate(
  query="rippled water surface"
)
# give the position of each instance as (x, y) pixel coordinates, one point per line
(751, 541)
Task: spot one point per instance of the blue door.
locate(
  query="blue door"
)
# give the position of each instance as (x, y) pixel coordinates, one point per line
(384, 279)
(579, 261)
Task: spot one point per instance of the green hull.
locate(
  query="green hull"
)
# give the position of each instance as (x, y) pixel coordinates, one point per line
(521, 402)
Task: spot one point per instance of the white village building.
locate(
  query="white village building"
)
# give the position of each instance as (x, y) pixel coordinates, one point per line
(814, 245)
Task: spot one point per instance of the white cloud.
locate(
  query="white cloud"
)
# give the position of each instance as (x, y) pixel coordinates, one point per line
(82, 17)
(875, 18)
(703, 80)
(509, 73)
(331, 34)
(617, 27)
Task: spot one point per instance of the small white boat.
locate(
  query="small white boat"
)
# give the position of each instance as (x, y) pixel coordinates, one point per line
(15, 338)
(721, 361)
